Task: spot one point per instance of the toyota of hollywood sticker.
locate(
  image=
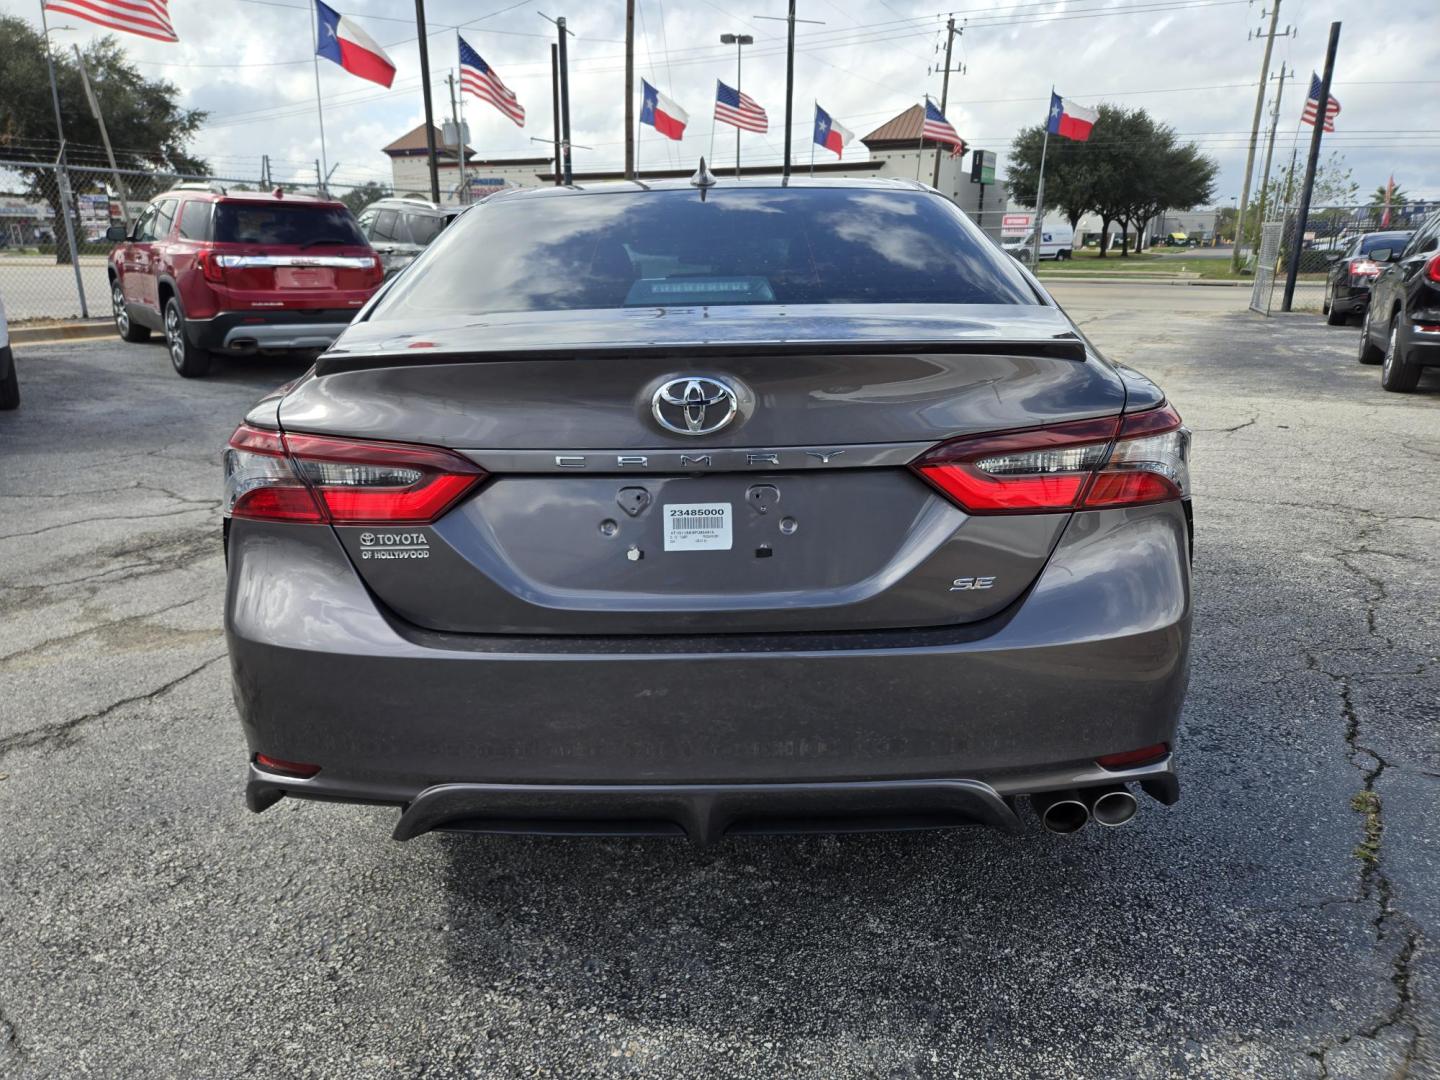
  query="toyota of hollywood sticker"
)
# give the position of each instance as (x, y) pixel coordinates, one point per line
(389, 545)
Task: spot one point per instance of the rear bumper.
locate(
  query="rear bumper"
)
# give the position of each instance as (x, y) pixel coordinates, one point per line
(708, 734)
(1422, 346)
(1351, 298)
(263, 331)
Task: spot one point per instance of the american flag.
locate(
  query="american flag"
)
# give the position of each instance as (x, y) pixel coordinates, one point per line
(479, 78)
(148, 18)
(938, 129)
(733, 107)
(1312, 106)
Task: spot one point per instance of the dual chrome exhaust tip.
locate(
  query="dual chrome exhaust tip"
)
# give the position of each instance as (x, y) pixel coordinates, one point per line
(1069, 811)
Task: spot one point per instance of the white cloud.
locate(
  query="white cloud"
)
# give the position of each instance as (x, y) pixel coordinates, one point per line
(1195, 64)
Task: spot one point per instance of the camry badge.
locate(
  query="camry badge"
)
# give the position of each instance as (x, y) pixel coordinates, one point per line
(694, 405)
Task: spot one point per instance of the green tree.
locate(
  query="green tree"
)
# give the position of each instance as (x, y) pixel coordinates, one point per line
(1130, 169)
(1334, 186)
(357, 198)
(148, 128)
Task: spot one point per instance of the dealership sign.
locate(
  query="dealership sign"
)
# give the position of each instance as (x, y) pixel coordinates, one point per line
(1015, 224)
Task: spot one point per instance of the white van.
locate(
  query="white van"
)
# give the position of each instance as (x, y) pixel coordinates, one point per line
(1057, 242)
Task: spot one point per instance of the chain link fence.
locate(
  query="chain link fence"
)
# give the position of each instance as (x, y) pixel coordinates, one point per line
(1329, 233)
(42, 276)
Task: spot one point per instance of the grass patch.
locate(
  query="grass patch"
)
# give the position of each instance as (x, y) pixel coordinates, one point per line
(1367, 803)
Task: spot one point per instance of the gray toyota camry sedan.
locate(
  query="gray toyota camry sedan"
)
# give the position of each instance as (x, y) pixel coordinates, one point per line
(706, 508)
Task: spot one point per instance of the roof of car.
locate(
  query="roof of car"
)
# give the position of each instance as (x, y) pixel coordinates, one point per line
(721, 184)
(217, 193)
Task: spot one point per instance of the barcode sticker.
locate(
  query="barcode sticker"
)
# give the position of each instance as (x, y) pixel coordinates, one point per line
(697, 527)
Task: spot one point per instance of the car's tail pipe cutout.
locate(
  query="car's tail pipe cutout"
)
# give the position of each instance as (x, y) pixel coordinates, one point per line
(1061, 811)
(1111, 806)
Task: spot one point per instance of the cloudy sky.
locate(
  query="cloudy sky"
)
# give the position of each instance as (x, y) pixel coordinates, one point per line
(1192, 63)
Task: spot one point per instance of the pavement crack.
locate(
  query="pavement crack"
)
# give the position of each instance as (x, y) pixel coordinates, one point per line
(9, 659)
(107, 518)
(61, 734)
(1375, 884)
(1229, 430)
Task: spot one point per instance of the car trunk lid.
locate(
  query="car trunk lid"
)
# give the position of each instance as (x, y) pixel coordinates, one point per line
(799, 514)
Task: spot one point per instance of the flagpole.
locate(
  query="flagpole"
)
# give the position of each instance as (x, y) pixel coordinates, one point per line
(920, 148)
(62, 169)
(1040, 191)
(319, 109)
(713, 111)
(812, 138)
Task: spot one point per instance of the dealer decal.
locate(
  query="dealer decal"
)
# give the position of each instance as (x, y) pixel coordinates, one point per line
(394, 545)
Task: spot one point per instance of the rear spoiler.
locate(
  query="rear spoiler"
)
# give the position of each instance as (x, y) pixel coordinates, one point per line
(1062, 347)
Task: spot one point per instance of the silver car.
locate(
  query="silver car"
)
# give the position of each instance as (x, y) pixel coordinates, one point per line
(712, 508)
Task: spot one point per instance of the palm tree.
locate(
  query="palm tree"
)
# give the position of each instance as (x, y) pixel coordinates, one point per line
(1398, 198)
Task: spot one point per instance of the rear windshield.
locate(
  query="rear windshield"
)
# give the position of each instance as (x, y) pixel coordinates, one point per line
(423, 227)
(756, 246)
(1395, 241)
(276, 223)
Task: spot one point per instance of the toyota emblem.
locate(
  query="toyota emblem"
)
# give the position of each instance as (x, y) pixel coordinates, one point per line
(694, 405)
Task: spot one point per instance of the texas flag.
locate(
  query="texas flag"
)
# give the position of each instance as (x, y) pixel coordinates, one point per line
(1069, 119)
(661, 113)
(353, 49)
(829, 134)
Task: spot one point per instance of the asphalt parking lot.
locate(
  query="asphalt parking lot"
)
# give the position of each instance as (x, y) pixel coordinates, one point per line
(1281, 921)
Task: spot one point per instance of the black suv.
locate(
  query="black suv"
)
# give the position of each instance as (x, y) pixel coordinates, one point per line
(1402, 324)
(399, 229)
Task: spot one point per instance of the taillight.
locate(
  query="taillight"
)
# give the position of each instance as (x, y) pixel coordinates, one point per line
(376, 274)
(1129, 759)
(1364, 268)
(1432, 269)
(298, 769)
(260, 482)
(1118, 461)
(210, 266)
(318, 478)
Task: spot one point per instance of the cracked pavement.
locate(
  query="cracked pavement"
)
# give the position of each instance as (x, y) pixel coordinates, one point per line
(1281, 921)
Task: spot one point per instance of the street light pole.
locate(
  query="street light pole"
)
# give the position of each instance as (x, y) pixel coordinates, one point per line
(739, 41)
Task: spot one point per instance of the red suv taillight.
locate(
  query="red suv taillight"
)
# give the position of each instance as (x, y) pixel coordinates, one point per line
(210, 267)
(1118, 461)
(1432, 269)
(317, 478)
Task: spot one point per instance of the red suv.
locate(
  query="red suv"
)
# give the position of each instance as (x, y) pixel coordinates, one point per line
(240, 272)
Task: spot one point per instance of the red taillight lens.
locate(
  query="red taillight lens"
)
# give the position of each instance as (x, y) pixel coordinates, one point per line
(316, 478)
(260, 482)
(297, 769)
(1129, 759)
(375, 483)
(210, 268)
(1364, 268)
(1111, 462)
(1432, 269)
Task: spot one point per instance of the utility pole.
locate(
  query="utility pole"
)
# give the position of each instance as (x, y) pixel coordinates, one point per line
(944, 91)
(562, 57)
(629, 89)
(62, 170)
(789, 74)
(1293, 267)
(1270, 147)
(555, 107)
(429, 108)
(565, 101)
(1255, 130)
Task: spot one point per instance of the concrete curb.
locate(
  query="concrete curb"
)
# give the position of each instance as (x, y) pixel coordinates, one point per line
(66, 331)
